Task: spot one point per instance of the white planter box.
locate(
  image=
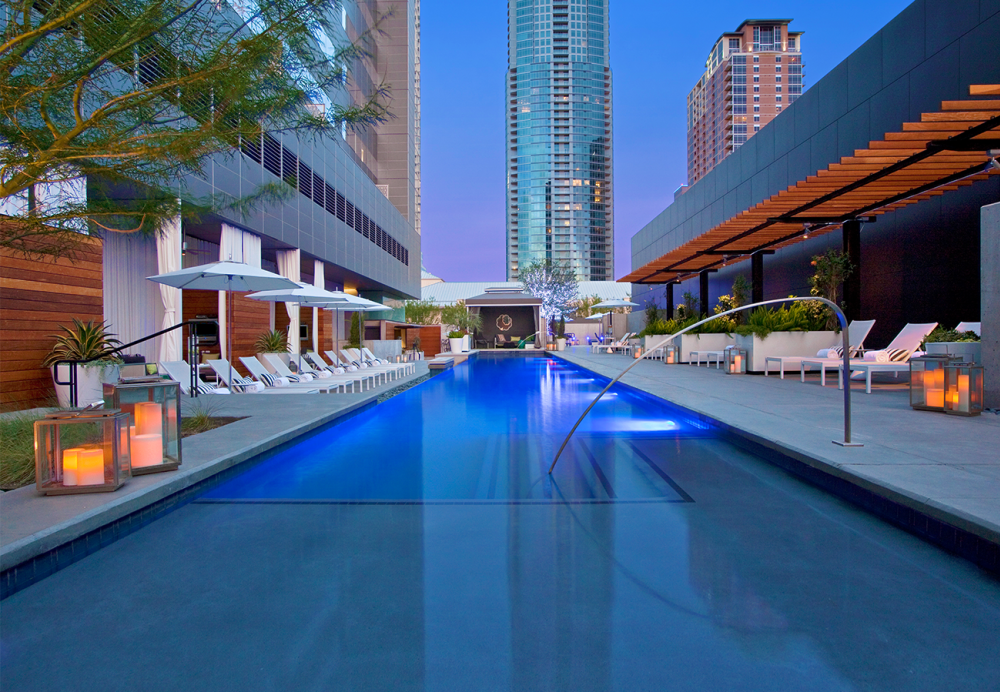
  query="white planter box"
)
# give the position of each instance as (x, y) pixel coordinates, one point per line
(784, 344)
(456, 344)
(561, 344)
(970, 351)
(88, 383)
(701, 342)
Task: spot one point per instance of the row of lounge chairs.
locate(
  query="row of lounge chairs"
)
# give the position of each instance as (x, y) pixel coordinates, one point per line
(270, 374)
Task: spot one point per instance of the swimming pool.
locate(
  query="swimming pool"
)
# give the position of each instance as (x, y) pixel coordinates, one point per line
(376, 556)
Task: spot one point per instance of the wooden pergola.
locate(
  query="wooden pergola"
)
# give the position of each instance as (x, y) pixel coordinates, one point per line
(948, 149)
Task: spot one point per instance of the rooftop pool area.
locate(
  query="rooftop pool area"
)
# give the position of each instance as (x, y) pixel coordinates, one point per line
(421, 545)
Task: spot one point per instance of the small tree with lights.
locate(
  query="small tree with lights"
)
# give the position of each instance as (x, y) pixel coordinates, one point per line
(554, 283)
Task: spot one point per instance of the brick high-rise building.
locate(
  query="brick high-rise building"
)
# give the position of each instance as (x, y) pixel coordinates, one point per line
(559, 187)
(750, 75)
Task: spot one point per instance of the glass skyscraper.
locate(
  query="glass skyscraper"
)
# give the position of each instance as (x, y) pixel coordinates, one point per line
(559, 171)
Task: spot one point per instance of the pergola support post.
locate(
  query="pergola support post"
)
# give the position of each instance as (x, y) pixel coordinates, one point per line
(669, 297)
(757, 277)
(703, 292)
(852, 284)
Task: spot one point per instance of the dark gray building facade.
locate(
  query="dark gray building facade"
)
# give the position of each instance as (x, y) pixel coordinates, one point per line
(920, 263)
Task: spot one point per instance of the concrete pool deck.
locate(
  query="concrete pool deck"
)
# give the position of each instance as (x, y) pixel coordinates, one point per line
(33, 524)
(945, 467)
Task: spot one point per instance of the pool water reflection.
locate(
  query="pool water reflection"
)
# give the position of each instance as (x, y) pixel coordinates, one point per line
(723, 573)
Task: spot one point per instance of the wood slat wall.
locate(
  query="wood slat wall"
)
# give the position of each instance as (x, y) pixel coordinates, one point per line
(430, 340)
(250, 319)
(37, 296)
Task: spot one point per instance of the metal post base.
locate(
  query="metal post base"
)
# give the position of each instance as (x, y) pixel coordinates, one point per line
(847, 444)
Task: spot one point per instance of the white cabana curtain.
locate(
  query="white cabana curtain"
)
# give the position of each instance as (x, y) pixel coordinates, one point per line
(169, 245)
(133, 306)
(289, 266)
(319, 280)
(235, 245)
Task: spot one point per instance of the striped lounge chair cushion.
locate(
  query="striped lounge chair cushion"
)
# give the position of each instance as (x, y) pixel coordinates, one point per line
(205, 388)
(268, 379)
(897, 355)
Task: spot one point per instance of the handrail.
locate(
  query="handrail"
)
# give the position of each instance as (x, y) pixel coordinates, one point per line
(841, 317)
(192, 348)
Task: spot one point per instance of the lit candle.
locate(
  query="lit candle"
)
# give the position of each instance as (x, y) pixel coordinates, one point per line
(147, 450)
(736, 363)
(69, 465)
(90, 467)
(148, 418)
(935, 388)
(962, 396)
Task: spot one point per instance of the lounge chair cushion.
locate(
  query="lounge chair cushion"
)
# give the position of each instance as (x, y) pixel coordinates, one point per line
(205, 389)
(269, 379)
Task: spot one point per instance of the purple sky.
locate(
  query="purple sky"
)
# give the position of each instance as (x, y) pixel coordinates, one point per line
(658, 52)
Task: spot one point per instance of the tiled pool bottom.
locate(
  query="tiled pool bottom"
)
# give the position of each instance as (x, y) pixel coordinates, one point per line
(755, 581)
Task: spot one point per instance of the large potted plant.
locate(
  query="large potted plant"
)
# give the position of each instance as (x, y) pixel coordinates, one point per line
(561, 334)
(966, 345)
(83, 342)
(797, 329)
(456, 340)
(273, 341)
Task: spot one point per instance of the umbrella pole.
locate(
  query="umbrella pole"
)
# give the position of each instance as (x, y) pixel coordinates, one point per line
(229, 337)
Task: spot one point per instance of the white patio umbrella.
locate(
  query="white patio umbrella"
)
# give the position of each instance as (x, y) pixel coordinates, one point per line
(224, 276)
(306, 295)
(351, 303)
(615, 303)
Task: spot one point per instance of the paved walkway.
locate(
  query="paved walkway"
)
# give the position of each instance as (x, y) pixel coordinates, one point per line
(33, 524)
(946, 466)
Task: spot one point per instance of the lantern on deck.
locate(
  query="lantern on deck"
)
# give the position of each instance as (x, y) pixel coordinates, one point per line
(963, 384)
(81, 452)
(735, 361)
(154, 431)
(927, 382)
(671, 354)
(638, 352)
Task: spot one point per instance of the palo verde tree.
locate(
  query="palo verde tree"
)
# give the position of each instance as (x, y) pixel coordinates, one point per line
(133, 97)
(554, 283)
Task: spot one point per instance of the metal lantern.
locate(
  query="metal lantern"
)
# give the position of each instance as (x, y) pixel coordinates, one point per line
(82, 452)
(154, 432)
(963, 383)
(927, 382)
(735, 361)
(671, 354)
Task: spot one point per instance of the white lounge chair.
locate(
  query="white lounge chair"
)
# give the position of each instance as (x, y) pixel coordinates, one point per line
(239, 383)
(976, 327)
(405, 368)
(857, 330)
(180, 371)
(260, 373)
(327, 384)
(338, 363)
(894, 358)
(620, 345)
(356, 360)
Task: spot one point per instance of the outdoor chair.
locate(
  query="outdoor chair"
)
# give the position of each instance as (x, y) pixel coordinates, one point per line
(858, 331)
(976, 327)
(274, 361)
(338, 363)
(374, 369)
(622, 345)
(260, 373)
(405, 368)
(894, 358)
(239, 383)
(180, 371)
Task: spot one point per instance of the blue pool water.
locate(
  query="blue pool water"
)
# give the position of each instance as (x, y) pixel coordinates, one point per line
(420, 546)
(485, 432)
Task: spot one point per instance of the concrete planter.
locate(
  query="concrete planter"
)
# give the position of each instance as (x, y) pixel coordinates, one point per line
(969, 351)
(456, 344)
(700, 342)
(560, 344)
(784, 344)
(89, 381)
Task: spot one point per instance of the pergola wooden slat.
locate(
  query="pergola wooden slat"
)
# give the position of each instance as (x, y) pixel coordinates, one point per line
(945, 151)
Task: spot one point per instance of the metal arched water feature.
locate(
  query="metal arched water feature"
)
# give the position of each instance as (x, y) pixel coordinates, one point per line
(841, 317)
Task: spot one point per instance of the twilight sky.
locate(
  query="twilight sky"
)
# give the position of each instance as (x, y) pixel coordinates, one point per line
(658, 51)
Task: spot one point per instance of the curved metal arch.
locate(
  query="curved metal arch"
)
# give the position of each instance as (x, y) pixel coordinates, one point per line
(841, 317)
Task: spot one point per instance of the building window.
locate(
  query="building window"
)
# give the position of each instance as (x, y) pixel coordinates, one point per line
(756, 109)
(756, 99)
(756, 78)
(734, 45)
(756, 68)
(777, 58)
(756, 88)
(791, 43)
(777, 69)
(756, 128)
(756, 58)
(777, 89)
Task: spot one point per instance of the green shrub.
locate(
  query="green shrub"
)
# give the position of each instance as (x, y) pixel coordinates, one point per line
(941, 334)
(456, 334)
(799, 316)
(274, 341)
(17, 450)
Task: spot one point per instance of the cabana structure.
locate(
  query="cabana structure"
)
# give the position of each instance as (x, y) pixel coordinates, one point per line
(510, 312)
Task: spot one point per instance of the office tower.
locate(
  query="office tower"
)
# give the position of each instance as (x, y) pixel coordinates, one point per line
(750, 75)
(389, 153)
(559, 153)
